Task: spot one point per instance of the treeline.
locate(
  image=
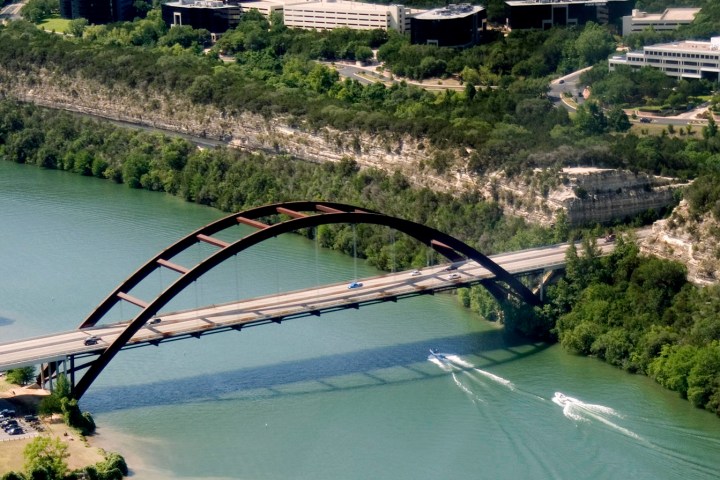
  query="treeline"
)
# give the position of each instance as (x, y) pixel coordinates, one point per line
(514, 127)
(640, 314)
(635, 312)
(231, 180)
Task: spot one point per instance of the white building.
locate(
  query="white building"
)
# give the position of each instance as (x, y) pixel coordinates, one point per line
(329, 14)
(670, 19)
(263, 6)
(686, 59)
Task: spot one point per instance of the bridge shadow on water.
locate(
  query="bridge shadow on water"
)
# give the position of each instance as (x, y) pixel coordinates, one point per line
(368, 368)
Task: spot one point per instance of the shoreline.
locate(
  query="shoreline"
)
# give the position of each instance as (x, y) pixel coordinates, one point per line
(83, 451)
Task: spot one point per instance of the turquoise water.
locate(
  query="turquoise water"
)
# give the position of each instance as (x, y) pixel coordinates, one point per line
(349, 395)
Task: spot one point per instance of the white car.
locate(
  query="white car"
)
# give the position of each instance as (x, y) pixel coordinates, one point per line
(415, 273)
(453, 276)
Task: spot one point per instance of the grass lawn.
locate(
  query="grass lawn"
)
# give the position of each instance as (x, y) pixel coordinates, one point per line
(54, 23)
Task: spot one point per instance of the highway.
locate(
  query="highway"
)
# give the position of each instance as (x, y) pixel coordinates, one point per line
(275, 308)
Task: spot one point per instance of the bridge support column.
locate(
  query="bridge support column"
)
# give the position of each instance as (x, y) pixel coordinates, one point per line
(72, 374)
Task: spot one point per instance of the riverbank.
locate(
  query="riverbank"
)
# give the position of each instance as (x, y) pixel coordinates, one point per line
(82, 450)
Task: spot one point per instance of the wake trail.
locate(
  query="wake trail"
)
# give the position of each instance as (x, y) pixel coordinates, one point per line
(579, 411)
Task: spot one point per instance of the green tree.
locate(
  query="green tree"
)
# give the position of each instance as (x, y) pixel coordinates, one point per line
(21, 376)
(76, 27)
(363, 53)
(46, 453)
(618, 120)
(595, 43)
(590, 119)
(36, 11)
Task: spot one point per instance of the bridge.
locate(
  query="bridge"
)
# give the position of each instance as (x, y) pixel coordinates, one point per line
(92, 346)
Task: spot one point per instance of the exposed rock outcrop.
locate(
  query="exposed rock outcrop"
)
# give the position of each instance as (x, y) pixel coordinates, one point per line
(586, 195)
(689, 239)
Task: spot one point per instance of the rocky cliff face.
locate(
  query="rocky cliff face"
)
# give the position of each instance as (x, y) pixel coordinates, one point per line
(585, 195)
(245, 130)
(689, 239)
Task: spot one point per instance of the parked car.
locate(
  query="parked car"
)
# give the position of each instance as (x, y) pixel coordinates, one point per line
(31, 418)
(355, 285)
(16, 431)
(9, 424)
(92, 340)
(7, 413)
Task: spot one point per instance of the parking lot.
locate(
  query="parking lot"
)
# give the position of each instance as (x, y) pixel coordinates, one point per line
(15, 427)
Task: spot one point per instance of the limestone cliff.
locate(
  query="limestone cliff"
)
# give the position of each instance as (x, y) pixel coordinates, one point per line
(689, 239)
(586, 195)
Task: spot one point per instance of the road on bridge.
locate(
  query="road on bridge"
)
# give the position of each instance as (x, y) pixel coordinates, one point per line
(56, 347)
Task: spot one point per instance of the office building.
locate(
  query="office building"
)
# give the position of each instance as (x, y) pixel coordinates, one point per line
(670, 19)
(98, 11)
(544, 14)
(686, 59)
(458, 25)
(212, 15)
(328, 14)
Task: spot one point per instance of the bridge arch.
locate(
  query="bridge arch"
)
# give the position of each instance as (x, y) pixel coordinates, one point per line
(321, 213)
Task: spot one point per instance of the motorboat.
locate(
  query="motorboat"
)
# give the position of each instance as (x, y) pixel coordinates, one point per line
(438, 355)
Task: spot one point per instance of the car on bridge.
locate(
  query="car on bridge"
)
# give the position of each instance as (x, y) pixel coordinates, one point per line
(415, 273)
(155, 321)
(91, 340)
(453, 276)
(355, 285)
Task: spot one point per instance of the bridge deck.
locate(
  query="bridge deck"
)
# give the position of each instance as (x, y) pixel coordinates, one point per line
(275, 308)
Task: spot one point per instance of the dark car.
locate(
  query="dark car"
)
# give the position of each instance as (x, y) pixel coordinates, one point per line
(645, 120)
(16, 431)
(92, 340)
(7, 413)
(31, 418)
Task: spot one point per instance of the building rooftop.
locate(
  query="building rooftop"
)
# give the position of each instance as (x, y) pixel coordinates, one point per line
(338, 5)
(200, 4)
(689, 45)
(451, 11)
(670, 14)
(517, 3)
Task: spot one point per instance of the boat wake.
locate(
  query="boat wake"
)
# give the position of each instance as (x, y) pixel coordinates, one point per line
(579, 411)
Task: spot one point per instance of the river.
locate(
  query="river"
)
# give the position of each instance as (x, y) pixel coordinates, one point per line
(348, 395)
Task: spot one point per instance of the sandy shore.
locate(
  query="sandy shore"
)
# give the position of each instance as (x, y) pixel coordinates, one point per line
(25, 401)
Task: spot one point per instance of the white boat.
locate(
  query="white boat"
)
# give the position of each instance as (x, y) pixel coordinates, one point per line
(438, 355)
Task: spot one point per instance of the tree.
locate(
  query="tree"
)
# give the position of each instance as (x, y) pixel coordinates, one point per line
(363, 53)
(711, 130)
(618, 120)
(21, 376)
(36, 11)
(45, 453)
(594, 43)
(590, 119)
(76, 27)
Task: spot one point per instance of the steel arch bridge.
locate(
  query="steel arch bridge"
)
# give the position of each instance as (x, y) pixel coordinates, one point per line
(292, 216)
